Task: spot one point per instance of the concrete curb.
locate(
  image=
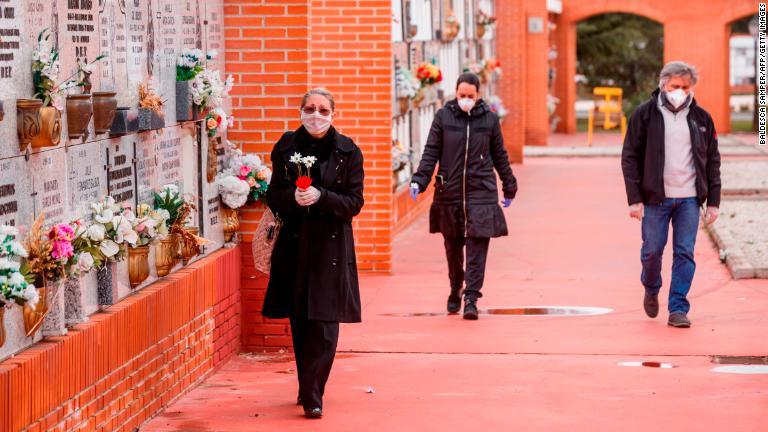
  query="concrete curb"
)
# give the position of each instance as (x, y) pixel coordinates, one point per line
(736, 260)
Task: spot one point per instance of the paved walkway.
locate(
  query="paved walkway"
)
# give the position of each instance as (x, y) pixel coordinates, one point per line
(571, 244)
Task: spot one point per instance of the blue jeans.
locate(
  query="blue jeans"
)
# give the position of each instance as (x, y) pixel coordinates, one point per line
(684, 214)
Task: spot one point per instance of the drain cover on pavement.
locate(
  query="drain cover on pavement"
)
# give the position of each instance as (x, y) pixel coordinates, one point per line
(658, 365)
(740, 360)
(550, 310)
(742, 369)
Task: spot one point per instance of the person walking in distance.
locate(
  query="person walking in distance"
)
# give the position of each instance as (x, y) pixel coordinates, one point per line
(465, 140)
(671, 167)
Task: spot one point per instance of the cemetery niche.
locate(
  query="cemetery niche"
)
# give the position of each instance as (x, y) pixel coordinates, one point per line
(95, 152)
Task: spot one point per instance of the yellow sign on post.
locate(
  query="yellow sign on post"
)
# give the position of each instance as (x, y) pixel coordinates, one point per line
(608, 112)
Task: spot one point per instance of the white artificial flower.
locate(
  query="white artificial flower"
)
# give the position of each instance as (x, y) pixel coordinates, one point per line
(309, 161)
(124, 232)
(96, 232)
(16, 279)
(31, 296)
(105, 216)
(296, 158)
(18, 250)
(170, 189)
(8, 230)
(163, 214)
(6, 264)
(109, 248)
(85, 262)
(234, 191)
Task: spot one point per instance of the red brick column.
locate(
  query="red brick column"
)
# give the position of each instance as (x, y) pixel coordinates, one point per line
(537, 70)
(510, 46)
(277, 50)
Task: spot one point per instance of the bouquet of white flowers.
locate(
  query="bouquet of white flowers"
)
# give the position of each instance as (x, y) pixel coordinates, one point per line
(14, 286)
(112, 228)
(208, 90)
(406, 85)
(244, 179)
(190, 63)
(149, 224)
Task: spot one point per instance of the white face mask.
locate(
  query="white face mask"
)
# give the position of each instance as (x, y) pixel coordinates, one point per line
(466, 104)
(677, 97)
(316, 123)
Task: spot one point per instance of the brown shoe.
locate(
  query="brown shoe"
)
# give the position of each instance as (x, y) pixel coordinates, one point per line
(651, 305)
(678, 320)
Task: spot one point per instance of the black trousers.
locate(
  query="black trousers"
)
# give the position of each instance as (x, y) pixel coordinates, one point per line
(477, 254)
(314, 346)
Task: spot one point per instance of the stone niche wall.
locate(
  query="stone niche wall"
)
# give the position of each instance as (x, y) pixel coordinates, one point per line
(141, 39)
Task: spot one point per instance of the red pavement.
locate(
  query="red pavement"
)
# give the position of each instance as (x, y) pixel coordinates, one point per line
(571, 244)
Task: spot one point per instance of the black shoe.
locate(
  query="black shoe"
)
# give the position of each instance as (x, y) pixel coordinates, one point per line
(679, 320)
(651, 305)
(313, 413)
(298, 401)
(454, 302)
(470, 309)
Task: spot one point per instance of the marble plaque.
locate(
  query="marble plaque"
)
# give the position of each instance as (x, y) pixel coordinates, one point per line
(146, 168)
(120, 170)
(138, 68)
(168, 48)
(87, 176)
(12, 73)
(78, 34)
(213, 229)
(114, 69)
(170, 158)
(49, 185)
(191, 25)
(16, 207)
(214, 32)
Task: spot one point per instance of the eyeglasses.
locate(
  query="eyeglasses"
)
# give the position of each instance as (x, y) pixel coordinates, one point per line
(309, 110)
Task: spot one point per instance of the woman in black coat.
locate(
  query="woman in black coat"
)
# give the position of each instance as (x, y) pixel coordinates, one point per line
(313, 279)
(466, 140)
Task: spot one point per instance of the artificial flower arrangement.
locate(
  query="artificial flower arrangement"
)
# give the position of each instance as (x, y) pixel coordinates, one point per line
(178, 210)
(191, 62)
(218, 120)
(151, 115)
(492, 65)
(400, 156)
(245, 179)
(149, 224)
(497, 106)
(405, 84)
(208, 89)
(112, 230)
(428, 74)
(170, 201)
(15, 286)
(46, 66)
(304, 164)
(484, 20)
(48, 251)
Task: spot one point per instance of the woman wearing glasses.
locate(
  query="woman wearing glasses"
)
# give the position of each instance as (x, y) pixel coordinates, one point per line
(313, 279)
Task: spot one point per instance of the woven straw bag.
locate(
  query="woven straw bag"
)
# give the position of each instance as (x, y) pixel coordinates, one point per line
(264, 241)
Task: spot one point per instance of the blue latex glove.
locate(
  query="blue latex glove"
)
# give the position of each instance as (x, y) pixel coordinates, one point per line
(414, 191)
(507, 202)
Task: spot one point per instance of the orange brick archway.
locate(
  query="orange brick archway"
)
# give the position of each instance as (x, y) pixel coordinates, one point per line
(694, 31)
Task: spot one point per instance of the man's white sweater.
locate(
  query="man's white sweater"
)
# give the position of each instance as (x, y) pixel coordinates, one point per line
(679, 171)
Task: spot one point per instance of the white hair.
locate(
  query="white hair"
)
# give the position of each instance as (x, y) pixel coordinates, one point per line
(677, 69)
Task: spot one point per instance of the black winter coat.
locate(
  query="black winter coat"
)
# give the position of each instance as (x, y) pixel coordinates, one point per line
(314, 269)
(467, 147)
(642, 159)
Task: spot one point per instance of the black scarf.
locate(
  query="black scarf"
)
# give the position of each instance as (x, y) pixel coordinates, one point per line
(321, 148)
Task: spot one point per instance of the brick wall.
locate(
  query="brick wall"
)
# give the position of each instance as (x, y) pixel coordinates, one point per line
(510, 47)
(124, 365)
(274, 60)
(537, 70)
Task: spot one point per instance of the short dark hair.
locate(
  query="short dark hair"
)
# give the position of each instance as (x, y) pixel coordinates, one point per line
(469, 78)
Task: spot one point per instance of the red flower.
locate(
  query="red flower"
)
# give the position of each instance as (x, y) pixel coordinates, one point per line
(303, 182)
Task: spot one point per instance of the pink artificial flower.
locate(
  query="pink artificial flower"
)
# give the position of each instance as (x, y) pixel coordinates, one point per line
(245, 170)
(62, 250)
(140, 227)
(251, 182)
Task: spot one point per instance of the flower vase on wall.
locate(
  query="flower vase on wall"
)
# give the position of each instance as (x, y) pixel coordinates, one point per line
(55, 323)
(106, 283)
(74, 302)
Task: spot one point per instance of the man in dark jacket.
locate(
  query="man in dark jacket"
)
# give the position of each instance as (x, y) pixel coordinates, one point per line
(466, 140)
(671, 168)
